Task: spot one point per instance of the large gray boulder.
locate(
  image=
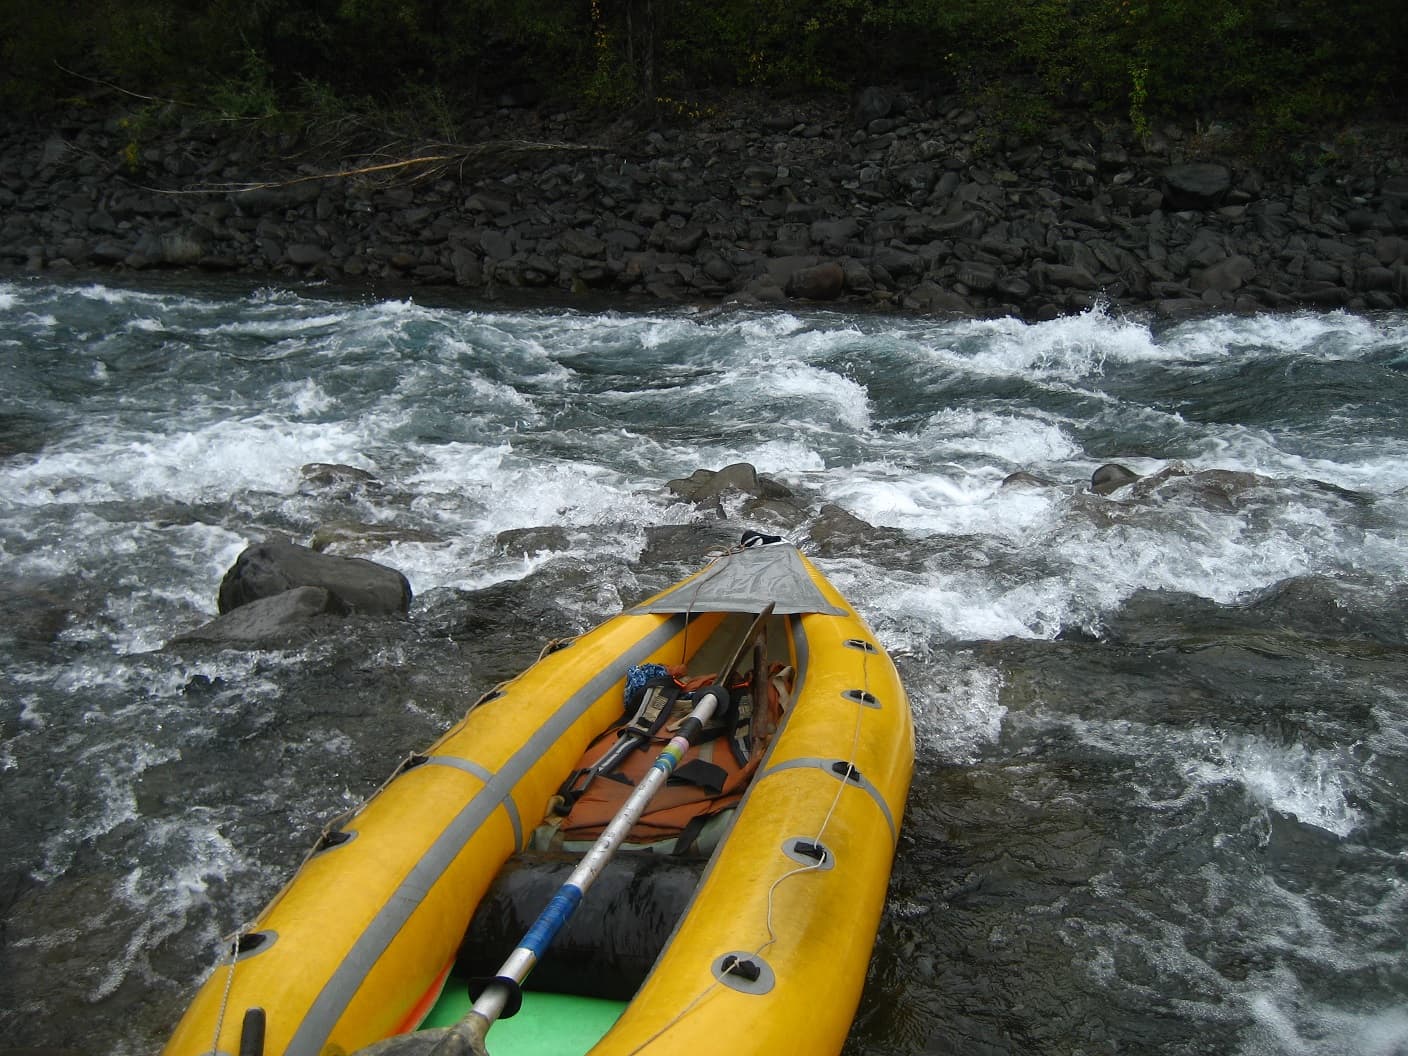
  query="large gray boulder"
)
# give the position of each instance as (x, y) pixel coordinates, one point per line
(284, 619)
(276, 565)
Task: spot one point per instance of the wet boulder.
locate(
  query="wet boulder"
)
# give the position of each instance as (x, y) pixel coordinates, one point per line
(276, 565)
(1111, 477)
(336, 478)
(283, 619)
(1023, 479)
(836, 530)
(525, 541)
(1212, 489)
(705, 486)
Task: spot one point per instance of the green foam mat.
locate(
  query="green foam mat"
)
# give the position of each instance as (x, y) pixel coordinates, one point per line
(546, 1025)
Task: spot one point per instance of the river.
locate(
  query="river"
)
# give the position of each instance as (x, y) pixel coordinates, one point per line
(1161, 794)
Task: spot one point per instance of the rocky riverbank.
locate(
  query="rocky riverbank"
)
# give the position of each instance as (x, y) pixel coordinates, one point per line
(888, 202)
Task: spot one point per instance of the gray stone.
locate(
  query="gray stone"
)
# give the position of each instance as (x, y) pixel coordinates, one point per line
(276, 565)
(283, 619)
(581, 244)
(184, 247)
(1063, 276)
(832, 235)
(873, 104)
(1197, 186)
(934, 299)
(354, 537)
(977, 276)
(517, 542)
(497, 245)
(1111, 477)
(1225, 276)
(836, 529)
(305, 254)
(707, 486)
(824, 282)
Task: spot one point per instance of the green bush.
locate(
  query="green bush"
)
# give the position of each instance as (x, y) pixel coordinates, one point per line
(1289, 62)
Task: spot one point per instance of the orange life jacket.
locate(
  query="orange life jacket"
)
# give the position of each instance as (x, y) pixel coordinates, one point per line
(710, 778)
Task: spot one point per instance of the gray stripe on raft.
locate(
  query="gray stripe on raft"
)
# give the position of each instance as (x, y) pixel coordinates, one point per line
(486, 775)
(332, 1001)
(804, 655)
(826, 764)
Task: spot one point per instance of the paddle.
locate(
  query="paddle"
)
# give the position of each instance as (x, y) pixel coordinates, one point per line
(503, 995)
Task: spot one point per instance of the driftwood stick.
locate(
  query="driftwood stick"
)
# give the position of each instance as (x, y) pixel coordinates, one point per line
(461, 154)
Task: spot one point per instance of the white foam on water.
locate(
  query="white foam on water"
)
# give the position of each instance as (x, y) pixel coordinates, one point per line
(957, 502)
(1024, 441)
(305, 398)
(1320, 335)
(959, 712)
(783, 457)
(159, 902)
(1031, 561)
(109, 295)
(477, 492)
(1307, 785)
(968, 607)
(259, 453)
(280, 323)
(1192, 552)
(1373, 465)
(1316, 787)
(1286, 1023)
(107, 771)
(509, 490)
(1068, 348)
(843, 401)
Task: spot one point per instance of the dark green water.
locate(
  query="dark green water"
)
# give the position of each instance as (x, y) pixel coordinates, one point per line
(1161, 798)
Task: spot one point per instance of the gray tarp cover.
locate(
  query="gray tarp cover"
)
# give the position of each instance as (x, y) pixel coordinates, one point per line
(745, 581)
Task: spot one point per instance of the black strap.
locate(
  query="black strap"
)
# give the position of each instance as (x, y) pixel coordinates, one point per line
(701, 773)
(689, 835)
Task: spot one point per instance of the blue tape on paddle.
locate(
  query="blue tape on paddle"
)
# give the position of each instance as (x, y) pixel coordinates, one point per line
(551, 919)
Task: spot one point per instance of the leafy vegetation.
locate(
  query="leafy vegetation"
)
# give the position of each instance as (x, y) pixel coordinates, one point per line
(1288, 62)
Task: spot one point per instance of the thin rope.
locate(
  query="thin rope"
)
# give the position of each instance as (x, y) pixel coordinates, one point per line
(225, 997)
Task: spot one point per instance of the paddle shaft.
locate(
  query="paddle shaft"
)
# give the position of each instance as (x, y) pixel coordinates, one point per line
(520, 962)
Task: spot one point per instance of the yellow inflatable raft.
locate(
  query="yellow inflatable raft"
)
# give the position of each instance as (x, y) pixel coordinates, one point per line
(358, 946)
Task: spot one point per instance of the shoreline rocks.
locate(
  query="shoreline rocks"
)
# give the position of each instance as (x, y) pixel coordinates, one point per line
(925, 210)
